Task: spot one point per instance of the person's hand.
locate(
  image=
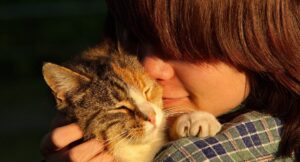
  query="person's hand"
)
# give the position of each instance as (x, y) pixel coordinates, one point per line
(62, 144)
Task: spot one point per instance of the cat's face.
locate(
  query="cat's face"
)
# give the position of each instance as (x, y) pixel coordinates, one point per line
(116, 101)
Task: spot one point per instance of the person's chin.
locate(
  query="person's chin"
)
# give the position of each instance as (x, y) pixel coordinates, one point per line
(175, 102)
(182, 104)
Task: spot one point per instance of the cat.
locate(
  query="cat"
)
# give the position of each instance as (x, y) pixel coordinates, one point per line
(107, 92)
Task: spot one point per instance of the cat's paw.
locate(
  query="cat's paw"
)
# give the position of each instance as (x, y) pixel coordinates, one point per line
(197, 124)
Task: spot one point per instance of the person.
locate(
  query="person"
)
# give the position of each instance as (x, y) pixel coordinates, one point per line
(237, 59)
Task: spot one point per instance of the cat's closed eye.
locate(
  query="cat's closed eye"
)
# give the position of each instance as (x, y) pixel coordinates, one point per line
(124, 105)
(147, 92)
(111, 98)
(125, 108)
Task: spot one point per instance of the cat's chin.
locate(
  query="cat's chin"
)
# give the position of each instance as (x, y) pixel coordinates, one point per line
(154, 132)
(150, 132)
(137, 149)
(147, 137)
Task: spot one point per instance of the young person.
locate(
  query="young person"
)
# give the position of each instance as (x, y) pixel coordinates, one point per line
(237, 59)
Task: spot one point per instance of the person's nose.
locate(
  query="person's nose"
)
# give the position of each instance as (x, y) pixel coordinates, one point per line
(157, 68)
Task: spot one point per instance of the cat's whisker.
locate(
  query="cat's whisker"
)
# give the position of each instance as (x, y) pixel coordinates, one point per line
(119, 138)
(178, 112)
(116, 137)
(171, 114)
(172, 109)
(125, 138)
(126, 74)
(186, 107)
(174, 115)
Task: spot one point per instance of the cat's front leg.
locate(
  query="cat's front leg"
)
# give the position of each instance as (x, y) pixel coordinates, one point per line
(198, 124)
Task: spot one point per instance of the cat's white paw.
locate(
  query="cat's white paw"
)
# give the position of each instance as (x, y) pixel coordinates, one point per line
(198, 124)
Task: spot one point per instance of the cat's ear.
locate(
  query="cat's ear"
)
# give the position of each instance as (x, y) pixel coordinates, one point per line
(62, 80)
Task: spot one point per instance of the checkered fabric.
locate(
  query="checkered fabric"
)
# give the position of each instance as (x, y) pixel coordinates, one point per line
(252, 136)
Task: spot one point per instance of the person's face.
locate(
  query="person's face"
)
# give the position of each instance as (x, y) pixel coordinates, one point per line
(216, 88)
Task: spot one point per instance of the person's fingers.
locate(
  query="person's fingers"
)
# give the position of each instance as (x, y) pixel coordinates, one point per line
(85, 151)
(103, 157)
(61, 156)
(80, 153)
(60, 137)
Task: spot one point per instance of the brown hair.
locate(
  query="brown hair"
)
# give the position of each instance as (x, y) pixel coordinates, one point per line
(259, 37)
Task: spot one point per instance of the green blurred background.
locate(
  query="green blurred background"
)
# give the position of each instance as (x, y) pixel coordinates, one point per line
(31, 32)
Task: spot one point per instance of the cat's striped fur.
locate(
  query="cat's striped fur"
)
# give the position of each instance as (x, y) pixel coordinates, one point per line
(107, 92)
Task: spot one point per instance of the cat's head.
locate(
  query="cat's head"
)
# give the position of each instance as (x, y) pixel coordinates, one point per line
(112, 99)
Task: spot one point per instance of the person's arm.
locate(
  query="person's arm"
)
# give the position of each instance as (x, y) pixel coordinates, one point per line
(250, 136)
(60, 145)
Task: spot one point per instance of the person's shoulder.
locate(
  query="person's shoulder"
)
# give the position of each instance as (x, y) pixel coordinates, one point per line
(249, 136)
(253, 122)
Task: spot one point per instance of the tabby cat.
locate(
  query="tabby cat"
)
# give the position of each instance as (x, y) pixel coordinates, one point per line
(107, 92)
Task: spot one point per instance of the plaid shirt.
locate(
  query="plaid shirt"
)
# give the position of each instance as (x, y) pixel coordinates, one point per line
(252, 136)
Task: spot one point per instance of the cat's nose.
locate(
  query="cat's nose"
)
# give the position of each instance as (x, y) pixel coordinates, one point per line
(158, 68)
(148, 113)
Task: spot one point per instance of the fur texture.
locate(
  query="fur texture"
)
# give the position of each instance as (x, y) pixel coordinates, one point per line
(107, 92)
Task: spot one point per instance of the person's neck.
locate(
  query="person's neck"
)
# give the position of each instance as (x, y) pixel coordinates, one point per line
(240, 109)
